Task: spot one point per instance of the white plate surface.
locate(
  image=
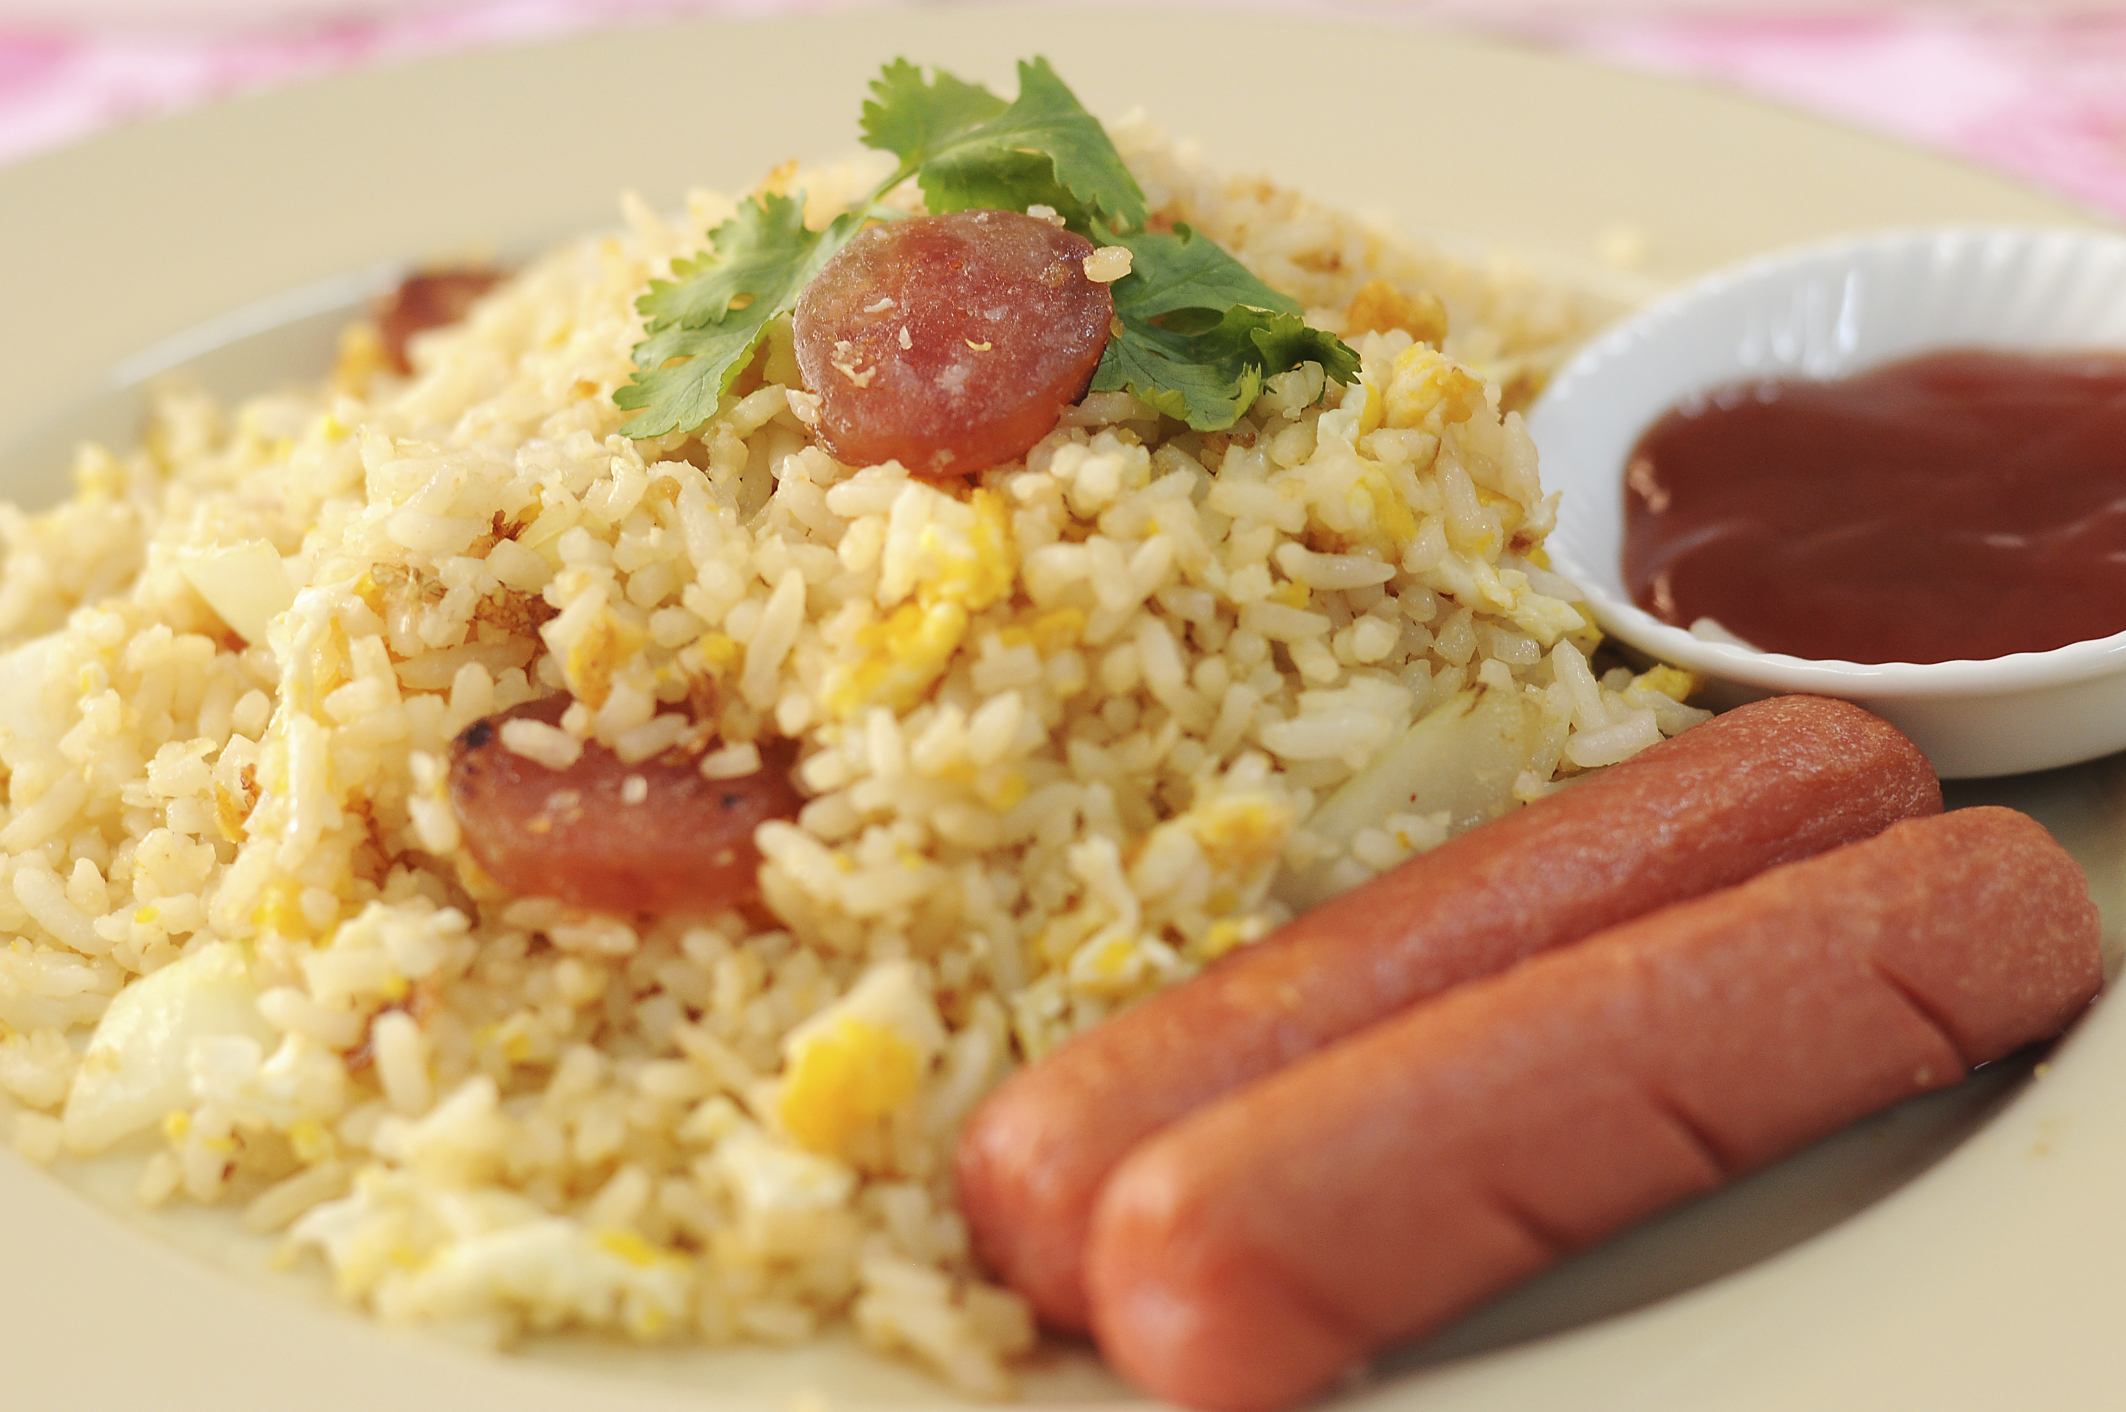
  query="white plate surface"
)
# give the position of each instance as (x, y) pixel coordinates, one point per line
(1990, 1279)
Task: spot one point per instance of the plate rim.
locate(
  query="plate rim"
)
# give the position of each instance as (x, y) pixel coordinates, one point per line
(275, 1327)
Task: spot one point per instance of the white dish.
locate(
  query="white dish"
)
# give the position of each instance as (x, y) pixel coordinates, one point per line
(1828, 311)
(1987, 1280)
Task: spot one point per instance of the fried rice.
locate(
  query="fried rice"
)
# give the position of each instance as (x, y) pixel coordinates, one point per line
(1067, 733)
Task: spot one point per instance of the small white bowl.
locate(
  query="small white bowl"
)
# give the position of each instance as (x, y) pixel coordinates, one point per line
(1827, 311)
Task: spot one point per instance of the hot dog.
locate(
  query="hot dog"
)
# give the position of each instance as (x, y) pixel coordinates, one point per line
(1367, 1194)
(1766, 783)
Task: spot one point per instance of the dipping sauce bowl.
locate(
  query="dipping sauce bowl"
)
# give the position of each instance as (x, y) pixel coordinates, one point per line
(1828, 311)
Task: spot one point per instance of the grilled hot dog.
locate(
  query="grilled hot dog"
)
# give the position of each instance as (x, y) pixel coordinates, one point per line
(1769, 782)
(1369, 1193)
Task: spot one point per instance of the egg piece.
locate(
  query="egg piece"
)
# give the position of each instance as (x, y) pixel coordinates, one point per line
(770, 1180)
(954, 558)
(136, 1069)
(860, 1059)
(35, 708)
(247, 585)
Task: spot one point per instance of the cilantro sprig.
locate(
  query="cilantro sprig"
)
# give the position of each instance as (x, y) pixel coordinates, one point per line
(1196, 335)
(706, 321)
(1199, 333)
(970, 150)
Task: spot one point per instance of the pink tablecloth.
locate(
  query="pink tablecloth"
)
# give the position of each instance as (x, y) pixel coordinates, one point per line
(2042, 96)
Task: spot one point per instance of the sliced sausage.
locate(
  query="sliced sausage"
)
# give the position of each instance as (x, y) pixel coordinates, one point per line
(1369, 1193)
(1766, 783)
(431, 299)
(654, 836)
(950, 343)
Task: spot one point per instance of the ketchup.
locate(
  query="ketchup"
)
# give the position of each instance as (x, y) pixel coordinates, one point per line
(1963, 504)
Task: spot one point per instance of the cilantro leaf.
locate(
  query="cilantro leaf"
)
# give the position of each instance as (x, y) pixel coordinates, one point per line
(1012, 181)
(1183, 270)
(1210, 379)
(966, 154)
(913, 119)
(716, 308)
(1169, 371)
(1284, 341)
(1199, 334)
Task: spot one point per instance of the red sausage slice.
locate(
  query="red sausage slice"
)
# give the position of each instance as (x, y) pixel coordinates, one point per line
(950, 343)
(670, 841)
(1764, 784)
(1367, 1194)
(433, 299)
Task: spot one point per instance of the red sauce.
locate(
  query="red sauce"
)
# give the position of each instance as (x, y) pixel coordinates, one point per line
(1959, 505)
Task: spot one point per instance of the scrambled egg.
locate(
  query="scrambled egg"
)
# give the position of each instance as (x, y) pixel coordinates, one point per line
(1240, 834)
(136, 1073)
(1427, 390)
(592, 658)
(955, 558)
(860, 1060)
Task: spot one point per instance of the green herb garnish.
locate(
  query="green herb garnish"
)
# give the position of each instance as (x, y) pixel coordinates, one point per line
(1198, 333)
(716, 310)
(969, 150)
